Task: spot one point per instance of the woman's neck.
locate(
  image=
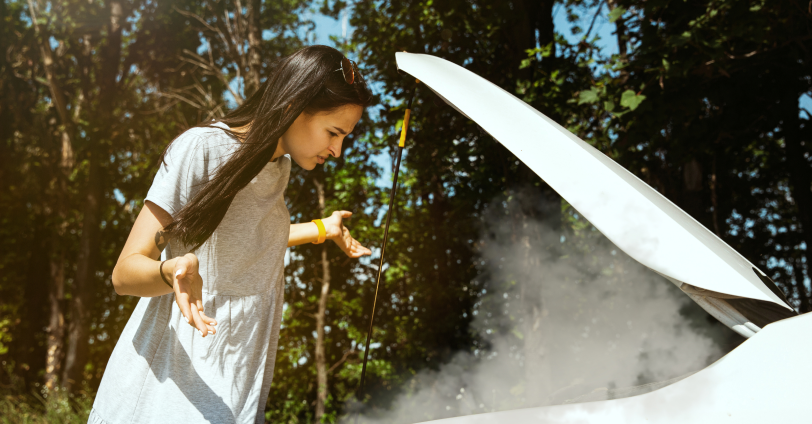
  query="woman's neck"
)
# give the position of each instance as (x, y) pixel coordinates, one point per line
(280, 151)
(243, 131)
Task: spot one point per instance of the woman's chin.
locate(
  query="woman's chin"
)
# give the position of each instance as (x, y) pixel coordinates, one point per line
(307, 165)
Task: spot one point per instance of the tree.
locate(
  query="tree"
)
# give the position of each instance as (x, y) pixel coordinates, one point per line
(715, 124)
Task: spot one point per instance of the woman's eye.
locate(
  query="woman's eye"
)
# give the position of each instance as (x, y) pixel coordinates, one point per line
(332, 134)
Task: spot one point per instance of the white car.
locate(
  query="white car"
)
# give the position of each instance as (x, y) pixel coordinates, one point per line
(764, 380)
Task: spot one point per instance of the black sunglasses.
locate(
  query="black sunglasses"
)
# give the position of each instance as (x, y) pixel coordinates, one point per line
(349, 69)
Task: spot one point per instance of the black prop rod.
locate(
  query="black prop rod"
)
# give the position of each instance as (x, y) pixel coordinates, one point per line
(392, 195)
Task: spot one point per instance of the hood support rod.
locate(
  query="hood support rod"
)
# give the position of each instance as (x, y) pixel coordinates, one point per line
(392, 194)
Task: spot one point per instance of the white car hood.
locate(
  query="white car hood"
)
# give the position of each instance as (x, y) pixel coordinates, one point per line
(634, 216)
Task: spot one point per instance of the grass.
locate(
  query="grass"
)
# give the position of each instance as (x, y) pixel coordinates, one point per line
(19, 406)
(53, 407)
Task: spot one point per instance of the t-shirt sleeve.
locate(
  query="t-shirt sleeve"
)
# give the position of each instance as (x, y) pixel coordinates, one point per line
(185, 169)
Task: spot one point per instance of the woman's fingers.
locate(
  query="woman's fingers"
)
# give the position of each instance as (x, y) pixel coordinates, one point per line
(187, 286)
(210, 323)
(199, 323)
(363, 250)
(181, 296)
(185, 308)
(354, 249)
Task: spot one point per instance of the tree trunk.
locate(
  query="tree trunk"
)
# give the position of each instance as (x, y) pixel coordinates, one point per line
(56, 320)
(89, 244)
(252, 79)
(78, 339)
(620, 32)
(56, 287)
(692, 195)
(56, 91)
(57, 94)
(321, 360)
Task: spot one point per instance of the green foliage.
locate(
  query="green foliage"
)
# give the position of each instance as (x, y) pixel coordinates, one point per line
(631, 100)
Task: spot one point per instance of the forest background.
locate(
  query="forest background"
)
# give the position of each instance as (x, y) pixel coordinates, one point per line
(494, 284)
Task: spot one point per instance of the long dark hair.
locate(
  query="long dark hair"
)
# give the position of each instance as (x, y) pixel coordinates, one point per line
(305, 81)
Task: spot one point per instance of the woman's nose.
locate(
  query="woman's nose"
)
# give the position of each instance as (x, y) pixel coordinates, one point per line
(335, 148)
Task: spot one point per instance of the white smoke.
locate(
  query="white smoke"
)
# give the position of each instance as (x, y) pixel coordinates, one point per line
(590, 324)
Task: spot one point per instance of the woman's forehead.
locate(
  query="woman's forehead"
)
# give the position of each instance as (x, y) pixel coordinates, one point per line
(346, 116)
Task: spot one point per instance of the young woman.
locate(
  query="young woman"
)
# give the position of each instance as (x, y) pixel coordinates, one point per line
(200, 346)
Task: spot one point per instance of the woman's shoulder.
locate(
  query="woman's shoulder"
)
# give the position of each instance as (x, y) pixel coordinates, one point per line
(204, 142)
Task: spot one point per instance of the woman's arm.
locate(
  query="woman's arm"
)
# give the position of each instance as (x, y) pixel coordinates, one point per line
(137, 273)
(303, 234)
(336, 231)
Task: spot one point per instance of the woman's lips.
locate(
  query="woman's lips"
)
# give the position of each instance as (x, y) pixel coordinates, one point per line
(320, 159)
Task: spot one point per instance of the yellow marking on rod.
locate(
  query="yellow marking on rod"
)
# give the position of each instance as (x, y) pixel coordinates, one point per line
(405, 127)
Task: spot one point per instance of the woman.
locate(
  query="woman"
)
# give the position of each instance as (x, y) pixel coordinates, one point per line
(201, 343)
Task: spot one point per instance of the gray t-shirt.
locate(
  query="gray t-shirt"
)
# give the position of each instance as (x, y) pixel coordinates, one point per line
(161, 369)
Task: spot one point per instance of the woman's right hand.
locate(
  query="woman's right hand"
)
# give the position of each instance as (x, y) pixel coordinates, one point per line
(188, 286)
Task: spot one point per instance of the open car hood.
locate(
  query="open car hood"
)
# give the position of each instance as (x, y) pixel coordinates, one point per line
(634, 216)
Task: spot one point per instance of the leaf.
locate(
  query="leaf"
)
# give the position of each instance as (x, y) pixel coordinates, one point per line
(588, 96)
(631, 100)
(666, 65)
(616, 13)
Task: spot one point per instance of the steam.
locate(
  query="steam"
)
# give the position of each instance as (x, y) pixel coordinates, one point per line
(583, 324)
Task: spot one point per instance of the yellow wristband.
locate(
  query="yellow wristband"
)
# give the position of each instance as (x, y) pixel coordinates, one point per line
(322, 232)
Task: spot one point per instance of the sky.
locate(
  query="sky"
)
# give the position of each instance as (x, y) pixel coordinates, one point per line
(327, 26)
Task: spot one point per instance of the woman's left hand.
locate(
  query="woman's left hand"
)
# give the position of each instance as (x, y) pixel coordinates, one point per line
(338, 233)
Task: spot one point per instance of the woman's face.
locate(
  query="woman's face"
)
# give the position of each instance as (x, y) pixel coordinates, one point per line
(311, 139)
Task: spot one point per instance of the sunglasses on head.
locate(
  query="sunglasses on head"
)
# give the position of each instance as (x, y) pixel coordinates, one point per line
(349, 69)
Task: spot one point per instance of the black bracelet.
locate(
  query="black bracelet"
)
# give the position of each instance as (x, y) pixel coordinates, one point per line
(161, 270)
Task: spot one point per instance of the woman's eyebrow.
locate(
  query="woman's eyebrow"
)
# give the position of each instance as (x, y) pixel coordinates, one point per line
(340, 130)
